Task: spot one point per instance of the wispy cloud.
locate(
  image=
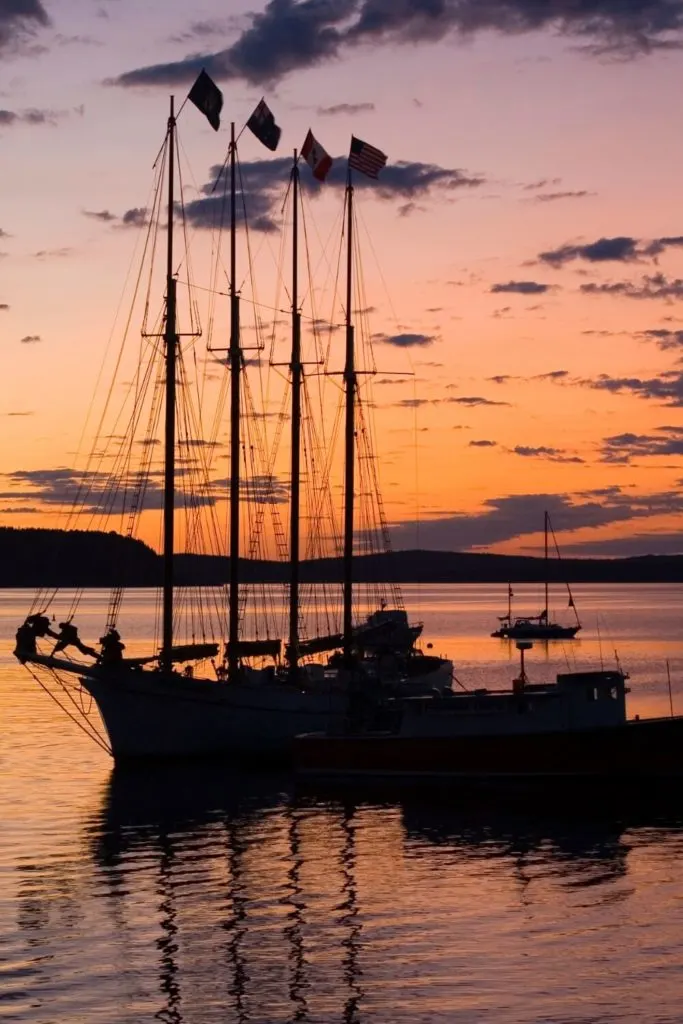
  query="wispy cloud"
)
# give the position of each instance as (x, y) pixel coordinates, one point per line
(629, 547)
(655, 286)
(551, 375)
(47, 254)
(95, 491)
(19, 19)
(513, 516)
(622, 448)
(346, 108)
(666, 389)
(102, 215)
(544, 452)
(618, 249)
(137, 217)
(32, 116)
(554, 197)
(288, 36)
(263, 181)
(521, 288)
(475, 400)
(666, 340)
(405, 340)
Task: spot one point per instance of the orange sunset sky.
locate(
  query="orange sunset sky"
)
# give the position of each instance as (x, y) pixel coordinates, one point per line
(523, 249)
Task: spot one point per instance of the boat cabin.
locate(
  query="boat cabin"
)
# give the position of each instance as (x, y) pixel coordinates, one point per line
(576, 701)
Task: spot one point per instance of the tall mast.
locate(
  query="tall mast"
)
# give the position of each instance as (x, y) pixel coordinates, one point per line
(296, 369)
(170, 341)
(350, 385)
(545, 525)
(235, 360)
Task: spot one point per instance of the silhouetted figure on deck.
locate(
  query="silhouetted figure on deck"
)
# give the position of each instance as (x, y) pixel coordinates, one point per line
(25, 642)
(35, 625)
(68, 637)
(112, 648)
(40, 624)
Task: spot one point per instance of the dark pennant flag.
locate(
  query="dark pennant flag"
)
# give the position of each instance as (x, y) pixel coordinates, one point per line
(208, 98)
(365, 158)
(262, 124)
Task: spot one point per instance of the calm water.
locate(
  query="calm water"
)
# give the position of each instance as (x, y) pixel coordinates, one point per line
(190, 896)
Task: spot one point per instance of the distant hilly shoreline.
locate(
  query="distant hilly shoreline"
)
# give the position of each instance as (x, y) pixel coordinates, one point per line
(80, 558)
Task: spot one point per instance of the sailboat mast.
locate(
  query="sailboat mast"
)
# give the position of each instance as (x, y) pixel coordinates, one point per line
(350, 385)
(170, 342)
(235, 360)
(545, 524)
(296, 369)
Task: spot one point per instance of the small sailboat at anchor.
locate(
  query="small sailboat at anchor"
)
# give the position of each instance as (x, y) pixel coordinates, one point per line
(541, 626)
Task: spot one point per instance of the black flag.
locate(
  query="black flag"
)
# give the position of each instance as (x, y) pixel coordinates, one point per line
(208, 98)
(262, 124)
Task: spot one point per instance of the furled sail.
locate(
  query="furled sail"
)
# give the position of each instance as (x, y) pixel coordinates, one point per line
(192, 652)
(318, 644)
(257, 648)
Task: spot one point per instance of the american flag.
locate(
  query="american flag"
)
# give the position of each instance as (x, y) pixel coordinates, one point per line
(365, 158)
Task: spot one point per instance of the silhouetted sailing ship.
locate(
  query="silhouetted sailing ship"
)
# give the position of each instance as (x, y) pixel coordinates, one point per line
(226, 700)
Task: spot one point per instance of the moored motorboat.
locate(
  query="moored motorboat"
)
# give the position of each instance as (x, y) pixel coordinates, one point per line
(574, 728)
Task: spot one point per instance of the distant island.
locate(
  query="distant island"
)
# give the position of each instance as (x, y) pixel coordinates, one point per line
(81, 558)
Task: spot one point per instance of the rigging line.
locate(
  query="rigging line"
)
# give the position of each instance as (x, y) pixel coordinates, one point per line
(42, 596)
(416, 457)
(282, 283)
(336, 231)
(91, 735)
(140, 479)
(317, 349)
(251, 276)
(194, 323)
(204, 456)
(337, 290)
(264, 241)
(199, 487)
(90, 730)
(268, 499)
(216, 240)
(84, 489)
(105, 499)
(368, 241)
(319, 503)
(121, 466)
(246, 300)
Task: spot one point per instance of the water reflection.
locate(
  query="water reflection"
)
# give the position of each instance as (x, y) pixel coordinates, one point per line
(206, 897)
(166, 815)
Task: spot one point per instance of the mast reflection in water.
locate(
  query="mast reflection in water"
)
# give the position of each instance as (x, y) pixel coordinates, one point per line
(198, 898)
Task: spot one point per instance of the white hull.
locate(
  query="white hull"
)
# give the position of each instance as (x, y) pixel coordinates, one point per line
(440, 679)
(151, 715)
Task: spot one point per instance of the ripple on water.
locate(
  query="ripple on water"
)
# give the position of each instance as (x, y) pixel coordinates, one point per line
(190, 897)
